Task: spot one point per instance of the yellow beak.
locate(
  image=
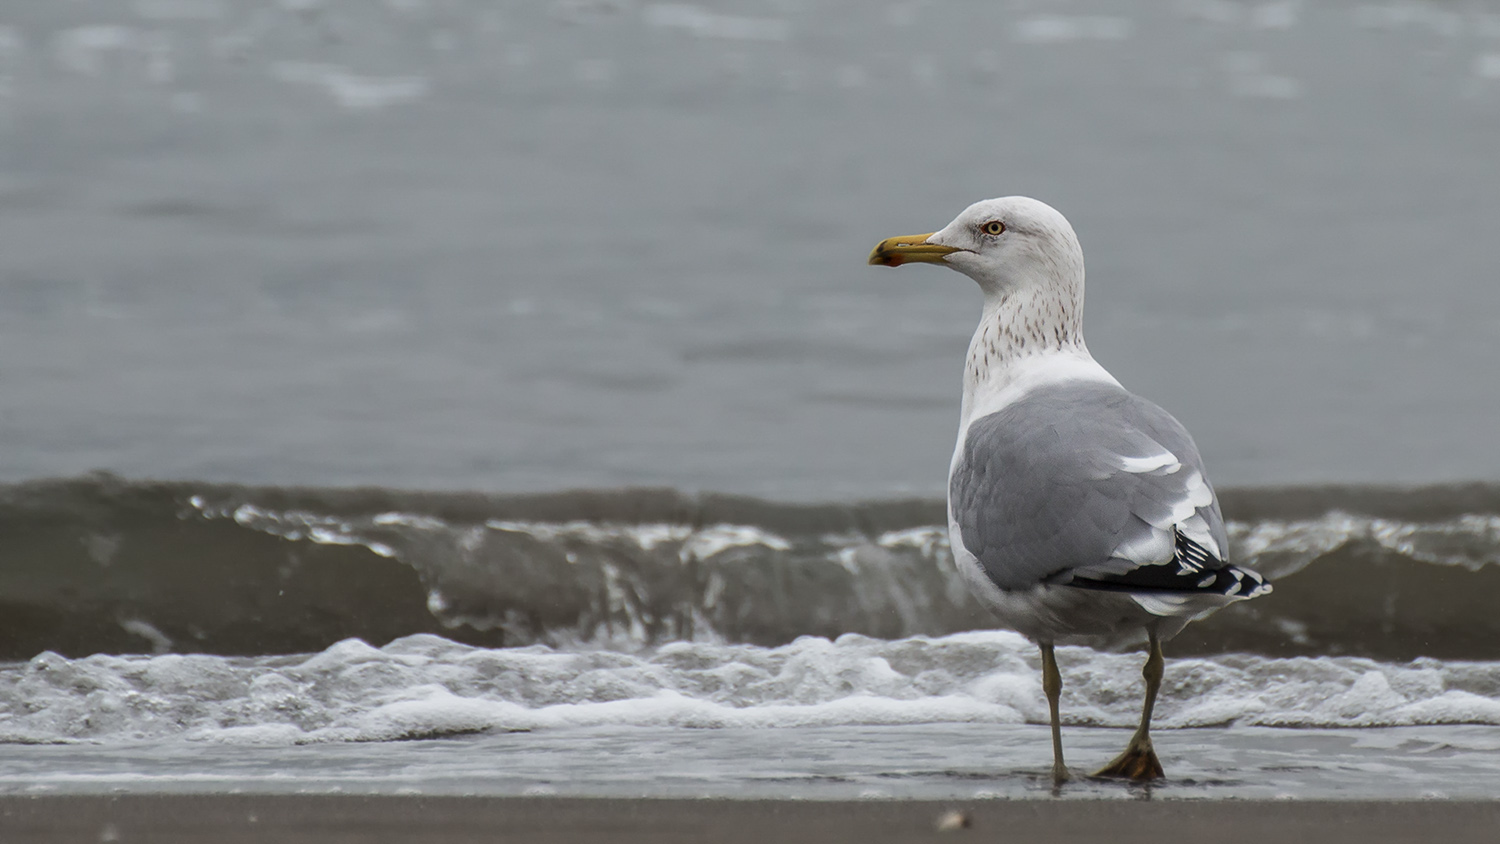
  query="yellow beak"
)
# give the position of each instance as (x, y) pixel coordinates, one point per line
(912, 248)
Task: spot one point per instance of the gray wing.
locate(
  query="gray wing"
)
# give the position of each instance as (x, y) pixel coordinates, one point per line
(1090, 485)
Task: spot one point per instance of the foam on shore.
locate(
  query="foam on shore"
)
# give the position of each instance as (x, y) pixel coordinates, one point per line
(426, 686)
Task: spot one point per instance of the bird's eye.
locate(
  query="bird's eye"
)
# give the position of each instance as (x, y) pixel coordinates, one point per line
(993, 227)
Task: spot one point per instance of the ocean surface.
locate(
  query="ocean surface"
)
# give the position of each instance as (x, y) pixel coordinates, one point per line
(454, 397)
(595, 243)
(190, 636)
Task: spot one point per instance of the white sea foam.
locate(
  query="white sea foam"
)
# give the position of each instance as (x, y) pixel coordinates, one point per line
(1277, 546)
(700, 543)
(423, 686)
(1281, 547)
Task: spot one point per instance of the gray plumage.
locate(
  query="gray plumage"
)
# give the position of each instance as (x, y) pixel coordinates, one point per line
(1040, 493)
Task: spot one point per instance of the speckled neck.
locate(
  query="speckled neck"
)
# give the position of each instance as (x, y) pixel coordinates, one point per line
(1021, 324)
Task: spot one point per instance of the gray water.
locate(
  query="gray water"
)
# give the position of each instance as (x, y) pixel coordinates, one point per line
(587, 244)
(936, 761)
(956, 716)
(521, 247)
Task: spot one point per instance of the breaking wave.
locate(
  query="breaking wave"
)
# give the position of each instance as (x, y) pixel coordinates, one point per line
(425, 686)
(99, 564)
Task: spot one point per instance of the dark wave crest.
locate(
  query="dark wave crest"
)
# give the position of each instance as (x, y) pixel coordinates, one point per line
(100, 564)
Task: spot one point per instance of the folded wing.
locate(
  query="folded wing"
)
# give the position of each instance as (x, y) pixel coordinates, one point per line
(1087, 485)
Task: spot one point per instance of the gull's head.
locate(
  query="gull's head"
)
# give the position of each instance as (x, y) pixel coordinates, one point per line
(1005, 244)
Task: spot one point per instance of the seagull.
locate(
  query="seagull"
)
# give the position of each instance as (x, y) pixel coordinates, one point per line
(1078, 512)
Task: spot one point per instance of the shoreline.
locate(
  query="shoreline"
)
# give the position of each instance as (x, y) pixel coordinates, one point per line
(231, 818)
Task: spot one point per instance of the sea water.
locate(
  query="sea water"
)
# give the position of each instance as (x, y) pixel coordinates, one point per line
(648, 643)
(954, 717)
(575, 244)
(274, 250)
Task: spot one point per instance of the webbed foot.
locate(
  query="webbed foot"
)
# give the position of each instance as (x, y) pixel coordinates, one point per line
(1060, 774)
(1137, 763)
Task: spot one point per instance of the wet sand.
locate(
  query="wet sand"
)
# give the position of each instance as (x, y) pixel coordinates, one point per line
(330, 819)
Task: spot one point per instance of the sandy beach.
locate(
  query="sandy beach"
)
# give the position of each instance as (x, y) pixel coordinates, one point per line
(330, 819)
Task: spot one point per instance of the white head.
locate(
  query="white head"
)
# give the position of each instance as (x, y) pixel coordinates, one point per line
(1009, 245)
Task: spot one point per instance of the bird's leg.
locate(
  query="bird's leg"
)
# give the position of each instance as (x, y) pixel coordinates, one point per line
(1052, 686)
(1139, 761)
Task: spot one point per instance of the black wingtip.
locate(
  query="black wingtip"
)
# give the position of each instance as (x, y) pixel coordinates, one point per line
(1193, 569)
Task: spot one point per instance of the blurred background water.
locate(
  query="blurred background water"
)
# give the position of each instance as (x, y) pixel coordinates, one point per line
(530, 246)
